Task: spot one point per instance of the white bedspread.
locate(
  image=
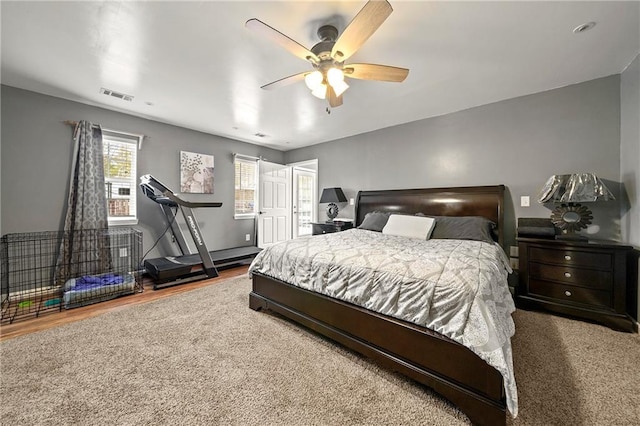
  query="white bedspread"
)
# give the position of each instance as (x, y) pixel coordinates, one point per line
(457, 288)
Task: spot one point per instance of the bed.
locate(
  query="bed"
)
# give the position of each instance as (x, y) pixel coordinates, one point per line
(441, 362)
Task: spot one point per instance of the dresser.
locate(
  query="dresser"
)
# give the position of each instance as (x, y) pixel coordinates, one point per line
(595, 281)
(329, 227)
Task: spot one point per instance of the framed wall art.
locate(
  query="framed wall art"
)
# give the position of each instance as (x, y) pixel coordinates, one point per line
(196, 173)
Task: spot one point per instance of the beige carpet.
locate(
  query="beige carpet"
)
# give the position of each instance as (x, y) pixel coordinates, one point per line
(204, 357)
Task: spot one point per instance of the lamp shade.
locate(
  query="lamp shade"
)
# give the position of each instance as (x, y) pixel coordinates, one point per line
(320, 92)
(335, 75)
(332, 195)
(576, 188)
(340, 87)
(313, 80)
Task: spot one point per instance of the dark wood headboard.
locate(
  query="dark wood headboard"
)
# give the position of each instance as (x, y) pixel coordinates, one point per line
(485, 201)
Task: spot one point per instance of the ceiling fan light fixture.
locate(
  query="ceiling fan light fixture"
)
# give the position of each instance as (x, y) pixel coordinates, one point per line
(339, 87)
(313, 80)
(326, 80)
(335, 75)
(320, 91)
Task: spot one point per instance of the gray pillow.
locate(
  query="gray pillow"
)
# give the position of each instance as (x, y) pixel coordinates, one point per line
(464, 228)
(374, 221)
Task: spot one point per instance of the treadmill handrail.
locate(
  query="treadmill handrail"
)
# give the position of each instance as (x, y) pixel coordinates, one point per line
(149, 181)
(189, 204)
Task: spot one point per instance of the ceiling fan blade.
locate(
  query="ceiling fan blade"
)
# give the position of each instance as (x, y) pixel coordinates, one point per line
(376, 72)
(366, 22)
(334, 101)
(286, 81)
(276, 36)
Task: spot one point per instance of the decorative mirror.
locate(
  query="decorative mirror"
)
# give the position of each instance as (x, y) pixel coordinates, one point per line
(571, 218)
(332, 211)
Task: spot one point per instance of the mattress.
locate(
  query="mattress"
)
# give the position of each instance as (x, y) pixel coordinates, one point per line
(457, 288)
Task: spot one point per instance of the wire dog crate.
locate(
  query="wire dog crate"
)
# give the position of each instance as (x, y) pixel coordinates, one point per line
(46, 271)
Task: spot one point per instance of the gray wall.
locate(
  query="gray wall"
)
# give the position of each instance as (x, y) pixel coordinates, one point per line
(1, 233)
(630, 152)
(518, 142)
(630, 149)
(36, 161)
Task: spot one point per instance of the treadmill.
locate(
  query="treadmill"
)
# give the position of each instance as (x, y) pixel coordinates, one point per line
(173, 270)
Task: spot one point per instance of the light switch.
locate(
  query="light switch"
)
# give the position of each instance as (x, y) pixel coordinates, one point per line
(524, 201)
(351, 201)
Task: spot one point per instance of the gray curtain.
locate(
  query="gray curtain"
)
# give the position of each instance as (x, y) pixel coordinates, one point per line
(85, 248)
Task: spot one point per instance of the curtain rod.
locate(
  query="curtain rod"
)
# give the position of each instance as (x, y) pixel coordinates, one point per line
(75, 123)
(248, 157)
(136, 135)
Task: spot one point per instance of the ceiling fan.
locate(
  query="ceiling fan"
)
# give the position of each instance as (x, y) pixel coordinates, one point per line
(328, 56)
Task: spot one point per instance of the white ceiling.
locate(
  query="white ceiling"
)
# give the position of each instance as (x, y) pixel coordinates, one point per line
(200, 68)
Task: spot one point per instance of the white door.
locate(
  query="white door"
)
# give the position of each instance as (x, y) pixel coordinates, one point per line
(304, 201)
(274, 203)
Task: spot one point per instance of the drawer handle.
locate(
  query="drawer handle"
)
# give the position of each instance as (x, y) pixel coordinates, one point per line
(567, 293)
(567, 274)
(567, 257)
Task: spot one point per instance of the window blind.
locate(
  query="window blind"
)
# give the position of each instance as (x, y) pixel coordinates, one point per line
(245, 186)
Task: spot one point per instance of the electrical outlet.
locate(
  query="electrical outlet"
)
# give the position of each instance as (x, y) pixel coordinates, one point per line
(123, 252)
(247, 237)
(513, 251)
(524, 201)
(514, 263)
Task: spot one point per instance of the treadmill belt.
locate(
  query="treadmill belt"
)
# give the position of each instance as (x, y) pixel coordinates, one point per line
(165, 269)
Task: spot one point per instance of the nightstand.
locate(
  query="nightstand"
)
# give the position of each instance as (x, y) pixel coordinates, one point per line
(593, 280)
(329, 227)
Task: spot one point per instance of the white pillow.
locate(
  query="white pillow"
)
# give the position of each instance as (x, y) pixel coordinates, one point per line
(409, 226)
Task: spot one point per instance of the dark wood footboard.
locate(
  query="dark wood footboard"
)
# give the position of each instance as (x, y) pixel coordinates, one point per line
(432, 359)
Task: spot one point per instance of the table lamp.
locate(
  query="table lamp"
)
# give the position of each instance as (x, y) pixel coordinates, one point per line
(570, 190)
(332, 196)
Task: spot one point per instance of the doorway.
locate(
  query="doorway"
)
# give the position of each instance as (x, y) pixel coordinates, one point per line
(305, 197)
(287, 200)
(274, 203)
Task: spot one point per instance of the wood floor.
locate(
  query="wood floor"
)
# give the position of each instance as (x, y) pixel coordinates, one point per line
(57, 318)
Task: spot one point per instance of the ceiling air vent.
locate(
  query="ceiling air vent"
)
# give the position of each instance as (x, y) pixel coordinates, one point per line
(115, 94)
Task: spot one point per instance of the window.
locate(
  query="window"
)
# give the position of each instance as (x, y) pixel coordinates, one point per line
(120, 152)
(245, 187)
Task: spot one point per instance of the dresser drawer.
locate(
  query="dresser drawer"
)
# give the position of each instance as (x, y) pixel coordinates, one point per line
(568, 293)
(329, 227)
(593, 278)
(571, 257)
(319, 228)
